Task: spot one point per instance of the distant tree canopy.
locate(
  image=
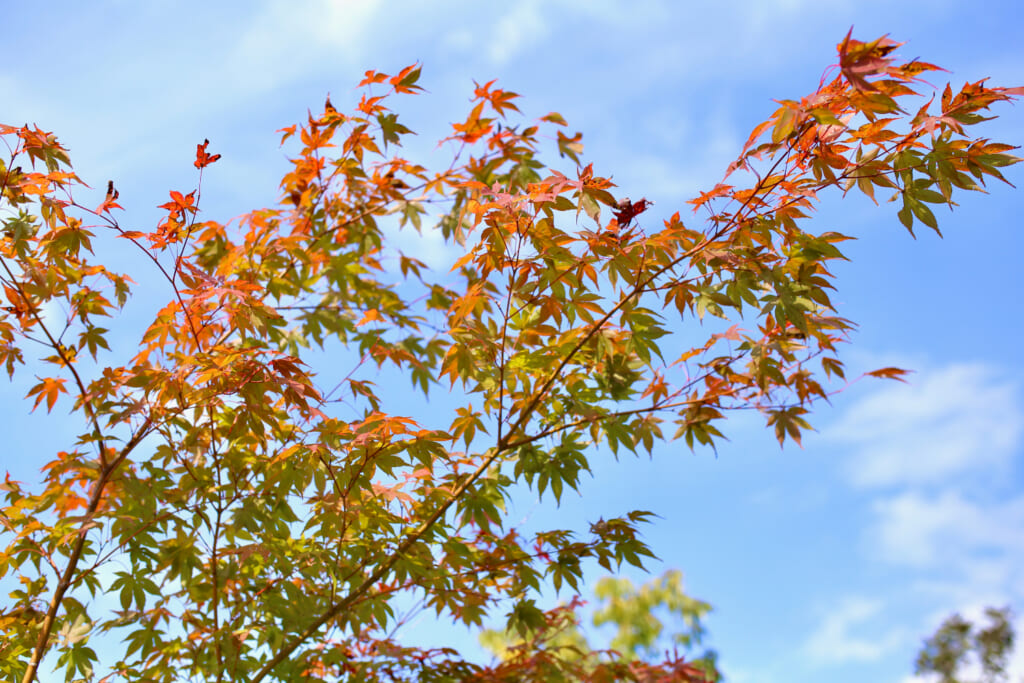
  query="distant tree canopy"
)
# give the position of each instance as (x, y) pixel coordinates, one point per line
(959, 647)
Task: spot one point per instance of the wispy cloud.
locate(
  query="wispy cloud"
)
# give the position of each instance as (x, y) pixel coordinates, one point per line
(521, 27)
(940, 451)
(847, 634)
(937, 458)
(285, 40)
(944, 423)
(948, 530)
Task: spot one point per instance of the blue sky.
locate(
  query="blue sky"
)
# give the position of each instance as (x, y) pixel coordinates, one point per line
(826, 563)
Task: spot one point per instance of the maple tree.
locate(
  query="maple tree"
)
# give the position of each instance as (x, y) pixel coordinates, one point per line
(232, 511)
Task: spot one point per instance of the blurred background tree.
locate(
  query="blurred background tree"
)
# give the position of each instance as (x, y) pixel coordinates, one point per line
(650, 620)
(959, 647)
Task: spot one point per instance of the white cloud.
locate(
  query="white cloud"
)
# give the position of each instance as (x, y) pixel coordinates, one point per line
(946, 513)
(943, 424)
(517, 30)
(288, 39)
(836, 639)
(947, 530)
(965, 554)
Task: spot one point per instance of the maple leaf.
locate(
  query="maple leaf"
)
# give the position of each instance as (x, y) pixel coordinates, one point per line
(889, 373)
(48, 388)
(180, 203)
(858, 60)
(203, 159)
